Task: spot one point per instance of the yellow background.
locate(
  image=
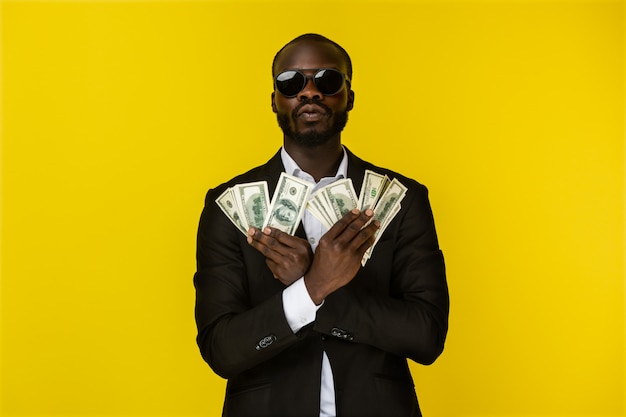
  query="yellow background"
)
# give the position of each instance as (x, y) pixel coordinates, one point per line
(118, 116)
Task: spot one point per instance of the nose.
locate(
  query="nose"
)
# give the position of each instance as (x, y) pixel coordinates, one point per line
(310, 91)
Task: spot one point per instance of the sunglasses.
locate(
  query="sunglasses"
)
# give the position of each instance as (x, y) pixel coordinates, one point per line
(328, 81)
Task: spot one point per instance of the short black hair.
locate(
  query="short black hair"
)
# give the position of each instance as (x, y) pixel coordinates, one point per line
(318, 38)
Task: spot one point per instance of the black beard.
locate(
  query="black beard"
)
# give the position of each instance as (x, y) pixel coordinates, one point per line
(312, 139)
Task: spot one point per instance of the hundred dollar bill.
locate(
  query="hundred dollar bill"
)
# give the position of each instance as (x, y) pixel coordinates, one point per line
(319, 211)
(252, 202)
(372, 188)
(385, 210)
(320, 200)
(226, 201)
(341, 197)
(379, 233)
(288, 203)
(392, 196)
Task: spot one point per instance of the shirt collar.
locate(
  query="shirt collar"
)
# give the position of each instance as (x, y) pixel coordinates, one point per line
(292, 168)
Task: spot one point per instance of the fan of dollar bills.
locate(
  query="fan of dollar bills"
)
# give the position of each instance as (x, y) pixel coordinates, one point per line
(248, 204)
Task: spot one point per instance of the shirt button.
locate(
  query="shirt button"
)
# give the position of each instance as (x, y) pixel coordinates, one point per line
(312, 240)
(303, 320)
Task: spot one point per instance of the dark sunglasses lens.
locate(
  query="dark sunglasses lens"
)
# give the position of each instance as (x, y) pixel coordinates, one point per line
(329, 81)
(289, 83)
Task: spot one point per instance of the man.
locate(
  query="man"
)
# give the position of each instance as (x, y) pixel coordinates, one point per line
(295, 323)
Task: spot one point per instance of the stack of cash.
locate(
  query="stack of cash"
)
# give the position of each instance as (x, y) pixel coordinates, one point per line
(246, 204)
(383, 197)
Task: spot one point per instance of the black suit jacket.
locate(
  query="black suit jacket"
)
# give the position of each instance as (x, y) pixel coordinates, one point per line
(395, 308)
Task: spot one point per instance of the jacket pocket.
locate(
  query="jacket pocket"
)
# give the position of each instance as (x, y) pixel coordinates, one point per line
(398, 391)
(248, 400)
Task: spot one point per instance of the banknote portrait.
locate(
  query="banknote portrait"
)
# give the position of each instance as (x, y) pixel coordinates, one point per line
(285, 212)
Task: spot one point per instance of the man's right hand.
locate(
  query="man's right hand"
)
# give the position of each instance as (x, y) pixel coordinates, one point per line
(338, 256)
(288, 257)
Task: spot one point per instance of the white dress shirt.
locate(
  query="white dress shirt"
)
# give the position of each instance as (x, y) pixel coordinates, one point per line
(299, 309)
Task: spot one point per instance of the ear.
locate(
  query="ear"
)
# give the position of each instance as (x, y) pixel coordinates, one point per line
(350, 104)
(273, 101)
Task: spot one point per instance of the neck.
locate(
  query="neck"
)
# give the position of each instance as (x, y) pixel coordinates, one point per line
(319, 161)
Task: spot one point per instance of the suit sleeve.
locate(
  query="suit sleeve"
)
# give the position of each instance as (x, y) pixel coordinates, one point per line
(236, 329)
(399, 301)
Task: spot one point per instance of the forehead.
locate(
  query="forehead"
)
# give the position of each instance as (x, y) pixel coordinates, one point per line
(310, 54)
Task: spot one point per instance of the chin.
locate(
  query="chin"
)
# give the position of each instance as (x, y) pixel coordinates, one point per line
(311, 140)
(310, 137)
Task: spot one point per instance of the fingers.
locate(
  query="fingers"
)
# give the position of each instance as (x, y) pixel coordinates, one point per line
(365, 237)
(354, 230)
(265, 243)
(282, 237)
(273, 243)
(351, 227)
(344, 222)
(288, 257)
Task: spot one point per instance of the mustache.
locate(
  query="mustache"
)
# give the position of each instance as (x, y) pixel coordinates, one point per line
(307, 101)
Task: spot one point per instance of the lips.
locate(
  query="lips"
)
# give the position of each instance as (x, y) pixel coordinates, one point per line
(311, 113)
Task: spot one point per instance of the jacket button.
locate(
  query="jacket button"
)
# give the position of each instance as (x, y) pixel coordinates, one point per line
(265, 342)
(336, 332)
(341, 333)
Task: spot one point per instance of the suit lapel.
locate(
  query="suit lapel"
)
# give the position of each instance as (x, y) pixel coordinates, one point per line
(271, 172)
(356, 170)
